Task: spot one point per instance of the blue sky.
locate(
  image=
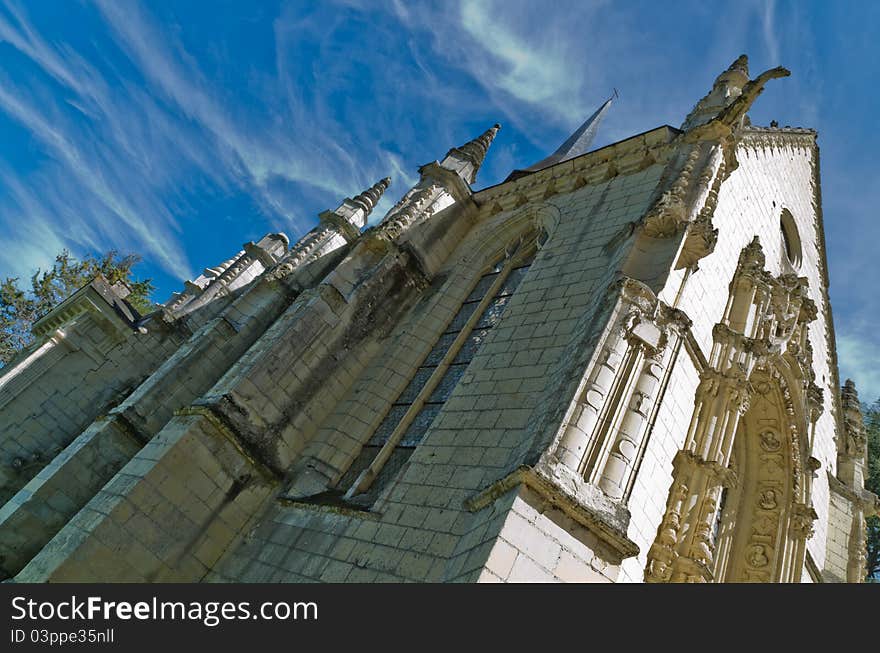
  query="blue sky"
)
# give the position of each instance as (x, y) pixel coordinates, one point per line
(181, 130)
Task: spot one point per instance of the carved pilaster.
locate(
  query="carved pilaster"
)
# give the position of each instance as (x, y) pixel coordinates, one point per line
(582, 435)
(662, 553)
(578, 431)
(627, 440)
(629, 437)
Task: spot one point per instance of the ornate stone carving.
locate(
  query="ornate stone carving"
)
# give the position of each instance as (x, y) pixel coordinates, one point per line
(669, 213)
(734, 113)
(767, 499)
(802, 520)
(662, 552)
(757, 556)
(416, 204)
(770, 441)
(765, 319)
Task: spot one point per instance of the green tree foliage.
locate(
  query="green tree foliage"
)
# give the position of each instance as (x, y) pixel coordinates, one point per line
(872, 483)
(20, 308)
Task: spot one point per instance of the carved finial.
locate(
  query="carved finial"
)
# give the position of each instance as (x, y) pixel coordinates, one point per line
(752, 256)
(370, 197)
(467, 159)
(850, 396)
(737, 109)
(731, 96)
(741, 65)
(477, 148)
(852, 450)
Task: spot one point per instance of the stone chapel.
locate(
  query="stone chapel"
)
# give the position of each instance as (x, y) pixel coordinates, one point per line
(618, 365)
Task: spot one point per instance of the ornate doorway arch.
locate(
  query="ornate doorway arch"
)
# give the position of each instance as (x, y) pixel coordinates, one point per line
(739, 505)
(763, 521)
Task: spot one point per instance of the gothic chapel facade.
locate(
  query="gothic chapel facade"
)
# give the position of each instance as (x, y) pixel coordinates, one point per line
(618, 365)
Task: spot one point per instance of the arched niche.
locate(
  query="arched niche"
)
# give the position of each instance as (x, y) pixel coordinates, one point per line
(762, 522)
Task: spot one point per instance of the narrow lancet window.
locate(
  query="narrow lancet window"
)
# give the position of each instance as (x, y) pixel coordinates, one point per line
(411, 415)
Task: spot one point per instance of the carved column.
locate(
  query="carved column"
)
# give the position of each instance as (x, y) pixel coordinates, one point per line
(579, 430)
(628, 442)
(801, 529)
(628, 439)
(621, 353)
(702, 468)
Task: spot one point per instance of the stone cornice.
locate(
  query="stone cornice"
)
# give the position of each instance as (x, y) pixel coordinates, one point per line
(777, 137)
(621, 158)
(98, 297)
(604, 518)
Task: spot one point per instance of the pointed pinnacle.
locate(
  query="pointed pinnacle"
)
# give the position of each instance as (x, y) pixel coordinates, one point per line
(740, 65)
(476, 149)
(849, 394)
(368, 199)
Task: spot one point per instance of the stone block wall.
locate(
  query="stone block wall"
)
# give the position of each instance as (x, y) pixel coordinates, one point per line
(421, 529)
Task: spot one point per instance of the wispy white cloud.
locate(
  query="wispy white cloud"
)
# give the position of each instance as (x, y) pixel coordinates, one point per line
(134, 145)
(133, 123)
(534, 71)
(547, 70)
(858, 357)
(771, 37)
(258, 152)
(30, 238)
(95, 179)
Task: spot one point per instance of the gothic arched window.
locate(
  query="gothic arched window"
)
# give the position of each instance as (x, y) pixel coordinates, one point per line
(411, 415)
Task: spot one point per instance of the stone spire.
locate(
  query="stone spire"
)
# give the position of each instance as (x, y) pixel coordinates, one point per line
(355, 210)
(576, 144)
(334, 229)
(368, 199)
(850, 398)
(467, 159)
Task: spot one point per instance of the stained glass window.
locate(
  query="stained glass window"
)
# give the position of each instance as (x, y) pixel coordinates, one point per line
(432, 402)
